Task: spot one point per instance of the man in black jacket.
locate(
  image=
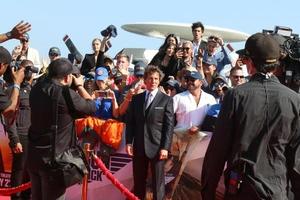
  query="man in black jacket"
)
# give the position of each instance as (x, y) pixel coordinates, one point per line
(257, 134)
(149, 130)
(17, 130)
(8, 103)
(71, 105)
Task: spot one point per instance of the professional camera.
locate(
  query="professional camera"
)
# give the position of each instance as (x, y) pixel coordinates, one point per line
(111, 30)
(15, 65)
(290, 59)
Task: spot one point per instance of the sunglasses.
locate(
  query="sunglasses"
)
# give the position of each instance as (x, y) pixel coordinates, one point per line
(219, 84)
(53, 54)
(169, 88)
(236, 77)
(183, 49)
(189, 79)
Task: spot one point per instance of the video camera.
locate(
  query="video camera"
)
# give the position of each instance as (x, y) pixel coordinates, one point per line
(290, 59)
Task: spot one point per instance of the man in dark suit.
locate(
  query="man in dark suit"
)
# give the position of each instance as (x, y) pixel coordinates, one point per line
(149, 130)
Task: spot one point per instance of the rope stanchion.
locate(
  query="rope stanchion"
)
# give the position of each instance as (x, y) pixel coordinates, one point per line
(10, 191)
(84, 188)
(115, 181)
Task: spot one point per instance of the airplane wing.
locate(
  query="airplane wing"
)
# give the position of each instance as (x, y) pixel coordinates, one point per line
(161, 30)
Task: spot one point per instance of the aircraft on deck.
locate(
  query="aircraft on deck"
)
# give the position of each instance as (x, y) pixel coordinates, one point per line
(183, 31)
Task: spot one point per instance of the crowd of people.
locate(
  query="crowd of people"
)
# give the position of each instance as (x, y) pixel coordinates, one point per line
(185, 86)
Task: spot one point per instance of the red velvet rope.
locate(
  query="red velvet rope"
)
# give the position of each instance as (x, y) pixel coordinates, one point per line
(114, 181)
(10, 191)
(100, 164)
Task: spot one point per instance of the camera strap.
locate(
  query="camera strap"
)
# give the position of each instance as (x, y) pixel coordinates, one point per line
(55, 97)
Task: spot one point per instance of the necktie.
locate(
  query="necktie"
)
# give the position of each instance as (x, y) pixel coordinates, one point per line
(148, 100)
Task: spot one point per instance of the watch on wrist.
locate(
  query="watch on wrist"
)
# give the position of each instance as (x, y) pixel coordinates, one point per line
(8, 35)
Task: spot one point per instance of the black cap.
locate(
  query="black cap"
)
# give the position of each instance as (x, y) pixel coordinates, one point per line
(110, 30)
(54, 51)
(60, 68)
(5, 56)
(261, 47)
(90, 76)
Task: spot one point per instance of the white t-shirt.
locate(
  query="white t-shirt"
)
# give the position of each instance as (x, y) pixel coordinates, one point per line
(188, 113)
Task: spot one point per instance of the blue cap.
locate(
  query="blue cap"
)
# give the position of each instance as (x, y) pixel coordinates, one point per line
(172, 83)
(210, 60)
(139, 68)
(194, 75)
(101, 74)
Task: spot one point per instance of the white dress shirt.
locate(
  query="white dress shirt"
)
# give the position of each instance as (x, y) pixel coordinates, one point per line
(153, 94)
(188, 113)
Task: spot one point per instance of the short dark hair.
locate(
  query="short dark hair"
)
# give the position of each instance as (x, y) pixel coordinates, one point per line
(197, 25)
(5, 56)
(60, 68)
(153, 69)
(26, 63)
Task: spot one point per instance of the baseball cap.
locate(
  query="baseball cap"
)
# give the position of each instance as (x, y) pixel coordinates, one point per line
(139, 68)
(60, 68)
(172, 83)
(101, 74)
(54, 51)
(5, 56)
(222, 78)
(210, 60)
(219, 81)
(90, 76)
(110, 30)
(261, 47)
(26, 36)
(194, 75)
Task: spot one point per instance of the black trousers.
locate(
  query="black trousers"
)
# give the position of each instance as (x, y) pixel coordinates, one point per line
(140, 169)
(20, 173)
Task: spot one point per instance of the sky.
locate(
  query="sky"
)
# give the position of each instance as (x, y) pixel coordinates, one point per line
(84, 20)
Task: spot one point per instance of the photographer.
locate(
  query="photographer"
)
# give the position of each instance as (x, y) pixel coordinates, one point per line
(18, 134)
(71, 105)
(257, 134)
(8, 103)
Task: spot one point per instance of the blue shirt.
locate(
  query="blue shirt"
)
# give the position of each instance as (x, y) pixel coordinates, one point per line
(103, 108)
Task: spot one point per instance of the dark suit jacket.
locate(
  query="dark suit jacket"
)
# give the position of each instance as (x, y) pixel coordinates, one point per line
(89, 64)
(150, 130)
